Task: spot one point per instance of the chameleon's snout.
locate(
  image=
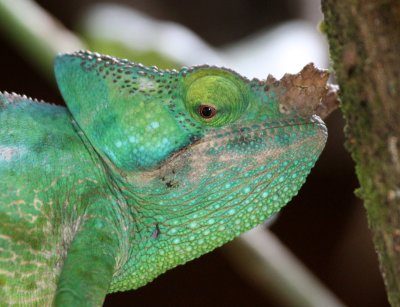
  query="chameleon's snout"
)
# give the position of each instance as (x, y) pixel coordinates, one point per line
(305, 93)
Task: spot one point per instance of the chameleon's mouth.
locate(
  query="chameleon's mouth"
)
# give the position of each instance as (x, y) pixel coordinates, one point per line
(233, 144)
(268, 132)
(230, 146)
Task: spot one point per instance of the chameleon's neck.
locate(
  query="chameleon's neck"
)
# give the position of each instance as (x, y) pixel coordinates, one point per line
(52, 179)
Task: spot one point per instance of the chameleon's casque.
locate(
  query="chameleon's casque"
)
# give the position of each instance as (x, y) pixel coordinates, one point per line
(143, 170)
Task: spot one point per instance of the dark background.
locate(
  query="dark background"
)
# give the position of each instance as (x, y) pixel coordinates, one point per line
(325, 225)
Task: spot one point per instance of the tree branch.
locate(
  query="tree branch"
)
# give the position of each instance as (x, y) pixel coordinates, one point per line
(36, 32)
(364, 38)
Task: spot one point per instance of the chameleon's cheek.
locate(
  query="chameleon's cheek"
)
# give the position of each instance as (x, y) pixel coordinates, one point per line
(143, 143)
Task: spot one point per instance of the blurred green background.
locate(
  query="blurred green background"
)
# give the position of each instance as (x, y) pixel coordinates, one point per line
(325, 225)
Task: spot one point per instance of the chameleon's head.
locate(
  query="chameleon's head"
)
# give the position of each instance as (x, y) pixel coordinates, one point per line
(202, 154)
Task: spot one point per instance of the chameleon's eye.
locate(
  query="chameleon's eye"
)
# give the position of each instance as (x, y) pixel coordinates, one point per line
(214, 100)
(207, 111)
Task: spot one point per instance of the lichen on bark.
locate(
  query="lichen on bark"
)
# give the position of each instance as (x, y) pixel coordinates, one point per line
(364, 39)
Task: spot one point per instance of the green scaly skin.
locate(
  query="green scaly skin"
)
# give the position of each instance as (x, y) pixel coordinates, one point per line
(131, 180)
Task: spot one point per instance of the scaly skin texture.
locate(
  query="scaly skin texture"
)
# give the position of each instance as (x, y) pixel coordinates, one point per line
(144, 170)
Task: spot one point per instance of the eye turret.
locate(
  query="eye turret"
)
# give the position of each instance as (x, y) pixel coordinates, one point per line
(215, 100)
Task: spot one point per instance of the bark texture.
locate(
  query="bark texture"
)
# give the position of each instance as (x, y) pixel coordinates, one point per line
(364, 39)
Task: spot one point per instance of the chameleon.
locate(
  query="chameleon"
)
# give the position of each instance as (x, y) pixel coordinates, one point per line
(144, 169)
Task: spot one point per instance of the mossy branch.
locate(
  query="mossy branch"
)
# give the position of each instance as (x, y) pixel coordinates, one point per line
(364, 39)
